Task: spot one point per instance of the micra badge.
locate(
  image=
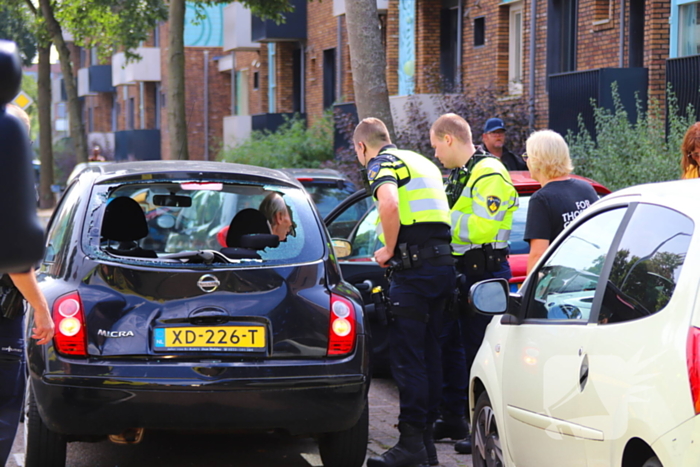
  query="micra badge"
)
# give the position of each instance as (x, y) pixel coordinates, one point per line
(104, 333)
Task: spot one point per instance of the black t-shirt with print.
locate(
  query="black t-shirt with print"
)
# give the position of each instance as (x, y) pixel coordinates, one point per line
(555, 205)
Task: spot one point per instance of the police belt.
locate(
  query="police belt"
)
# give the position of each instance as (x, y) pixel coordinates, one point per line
(411, 256)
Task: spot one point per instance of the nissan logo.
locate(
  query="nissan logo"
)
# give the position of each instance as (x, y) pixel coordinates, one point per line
(208, 283)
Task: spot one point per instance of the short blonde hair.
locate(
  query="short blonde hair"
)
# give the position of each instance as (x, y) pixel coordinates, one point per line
(548, 153)
(19, 113)
(453, 125)
(372, 132)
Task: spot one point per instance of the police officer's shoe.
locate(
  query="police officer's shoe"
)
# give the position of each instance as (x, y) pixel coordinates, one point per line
(450, 425)
(430, 446)
(408, 452)
(464, 446)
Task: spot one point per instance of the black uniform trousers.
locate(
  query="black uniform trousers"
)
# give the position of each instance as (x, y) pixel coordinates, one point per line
(415, 343)
(12, 382)
(460, 341)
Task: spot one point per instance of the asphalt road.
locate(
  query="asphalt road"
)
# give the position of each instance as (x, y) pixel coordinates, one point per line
(194, 450)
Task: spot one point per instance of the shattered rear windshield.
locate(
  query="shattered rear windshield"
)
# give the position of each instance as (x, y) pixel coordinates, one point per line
(202, 223)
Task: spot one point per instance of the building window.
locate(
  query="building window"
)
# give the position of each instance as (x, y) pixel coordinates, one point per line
(115, 112)
(94, 57)
(132, 114)
(479, 31)
(689, 29)
(515, 49)
(91, 122)
(272, 78)
(561, 36)
(156, 36)
(157, 104)
(328, 78)
(449, 39)
(256, 80)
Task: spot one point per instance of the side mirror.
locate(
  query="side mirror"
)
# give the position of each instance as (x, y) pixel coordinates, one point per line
(342, 248)
(489, 297)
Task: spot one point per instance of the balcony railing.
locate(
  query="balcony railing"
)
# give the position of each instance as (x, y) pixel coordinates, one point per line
(293, 29)
(94, 79)
(570, 95)
(237, 23)
(271, 122)
(683, 77)
(146, 69)
(137, 145)
(237, 128)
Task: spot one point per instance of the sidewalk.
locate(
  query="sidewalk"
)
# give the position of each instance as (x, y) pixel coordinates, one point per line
(383, 418)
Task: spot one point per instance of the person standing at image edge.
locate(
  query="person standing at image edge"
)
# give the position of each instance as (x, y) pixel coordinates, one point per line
(482, 201)
(414, 227)
(690, 152)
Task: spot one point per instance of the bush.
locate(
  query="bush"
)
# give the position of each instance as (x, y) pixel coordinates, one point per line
(626, 153)
(475, 106)
(292, 145)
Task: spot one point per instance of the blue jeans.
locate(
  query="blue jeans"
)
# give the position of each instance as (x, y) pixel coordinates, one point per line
(460, 341)
(12, 382)
(415, 343)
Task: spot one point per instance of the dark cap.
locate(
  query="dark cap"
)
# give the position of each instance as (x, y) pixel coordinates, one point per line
(493, 124)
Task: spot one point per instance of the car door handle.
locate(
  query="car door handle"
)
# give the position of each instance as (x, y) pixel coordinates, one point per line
(583, 372)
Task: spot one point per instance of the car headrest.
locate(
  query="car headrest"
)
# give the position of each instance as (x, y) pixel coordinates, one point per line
(246, 222)
(124, 220)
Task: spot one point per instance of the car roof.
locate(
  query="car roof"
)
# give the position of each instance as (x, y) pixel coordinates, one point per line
(187, 169)
(676, 194)
(525, 184)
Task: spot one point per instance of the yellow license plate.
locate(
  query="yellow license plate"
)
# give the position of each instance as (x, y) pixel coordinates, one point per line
(210, 338)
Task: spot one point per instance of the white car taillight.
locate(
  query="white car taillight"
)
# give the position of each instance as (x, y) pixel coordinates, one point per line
(69, 319)
(343, 329)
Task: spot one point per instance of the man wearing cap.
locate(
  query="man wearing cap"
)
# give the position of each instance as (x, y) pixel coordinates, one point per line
(494, 139)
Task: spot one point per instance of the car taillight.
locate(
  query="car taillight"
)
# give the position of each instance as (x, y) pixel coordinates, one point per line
(693, 360)
(68, 317)
(343, 329)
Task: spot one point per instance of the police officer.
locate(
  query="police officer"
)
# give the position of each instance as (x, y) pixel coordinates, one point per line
(482, 201)
(414, 227)
(21, 245)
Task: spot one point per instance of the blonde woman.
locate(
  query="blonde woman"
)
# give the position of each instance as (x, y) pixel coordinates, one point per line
(561, 198)
(690, 150)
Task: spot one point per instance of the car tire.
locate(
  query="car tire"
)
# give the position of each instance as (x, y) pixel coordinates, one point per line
(346, 448)
(43, 447)
(486, 442)
(653, 462)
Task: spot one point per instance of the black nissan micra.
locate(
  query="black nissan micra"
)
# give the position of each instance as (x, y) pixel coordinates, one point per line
(177, 308)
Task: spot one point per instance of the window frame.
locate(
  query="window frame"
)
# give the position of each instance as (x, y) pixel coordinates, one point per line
(515, 49)
(528, 295)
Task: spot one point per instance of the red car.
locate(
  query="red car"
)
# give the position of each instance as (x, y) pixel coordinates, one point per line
(360, 270)
(519, 248)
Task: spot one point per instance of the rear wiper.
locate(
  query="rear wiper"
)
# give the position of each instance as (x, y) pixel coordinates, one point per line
(203, 256)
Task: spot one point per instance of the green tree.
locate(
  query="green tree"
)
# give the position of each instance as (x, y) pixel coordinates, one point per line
(106, 24)
(15, 25)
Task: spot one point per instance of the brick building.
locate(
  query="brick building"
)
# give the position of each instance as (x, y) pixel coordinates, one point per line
(257, 72)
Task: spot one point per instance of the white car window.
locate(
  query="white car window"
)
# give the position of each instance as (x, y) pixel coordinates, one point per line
(647, 264)
(567, 281)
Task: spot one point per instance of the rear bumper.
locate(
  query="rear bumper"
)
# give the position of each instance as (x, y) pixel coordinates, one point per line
(300, 397)
(680, 447)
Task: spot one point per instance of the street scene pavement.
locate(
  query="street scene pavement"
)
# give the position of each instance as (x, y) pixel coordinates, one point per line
(186, 449)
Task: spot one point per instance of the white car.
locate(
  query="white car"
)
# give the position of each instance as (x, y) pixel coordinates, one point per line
(596, 360)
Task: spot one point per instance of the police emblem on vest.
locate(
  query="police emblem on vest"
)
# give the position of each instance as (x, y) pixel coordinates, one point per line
(493, 203)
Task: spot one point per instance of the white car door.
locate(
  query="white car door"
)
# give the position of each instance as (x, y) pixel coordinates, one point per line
(638, 383)
(545, 356)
